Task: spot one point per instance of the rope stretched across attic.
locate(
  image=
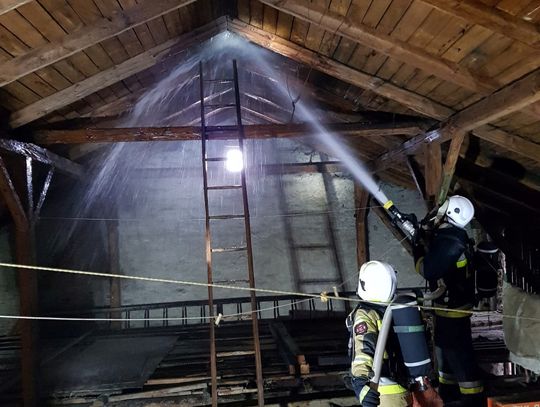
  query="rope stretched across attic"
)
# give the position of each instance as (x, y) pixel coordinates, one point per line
(323, 296)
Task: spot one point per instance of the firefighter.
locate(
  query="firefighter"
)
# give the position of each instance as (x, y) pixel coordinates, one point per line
(377, 283)
(445, 262)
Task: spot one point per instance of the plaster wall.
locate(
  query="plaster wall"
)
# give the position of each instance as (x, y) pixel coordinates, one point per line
(161, 226)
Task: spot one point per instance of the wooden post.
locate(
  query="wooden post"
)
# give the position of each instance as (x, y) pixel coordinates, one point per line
(361, 201)
(433, 172)
(450, 165)
(27, 289)
(114, 267)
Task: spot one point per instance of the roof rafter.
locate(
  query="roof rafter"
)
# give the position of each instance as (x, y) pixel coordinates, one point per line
(8, 5)
(501, 103)
(383, 43)
(491, 18)
(103, 29)
(110, 76)
(407, 98)
(338, 70)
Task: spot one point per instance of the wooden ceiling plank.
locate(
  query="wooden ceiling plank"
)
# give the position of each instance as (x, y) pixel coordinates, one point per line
(284, 25)
(173, 23)
(393, 47)
(270, 19)
(243, 10)
(106, 78)
(340, 71)
(492, 18)
(47, 54)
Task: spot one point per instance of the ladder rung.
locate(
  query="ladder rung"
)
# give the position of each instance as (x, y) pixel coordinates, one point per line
(216, 187)
(311, 246)
(216, 159)
(231, 282)
(221, 105)
(229, 249)
(239, 216)
(304, 214)
(234, 353)
(219, 80)
(317, 281)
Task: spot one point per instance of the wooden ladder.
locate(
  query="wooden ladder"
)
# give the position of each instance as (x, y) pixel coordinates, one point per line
(209, 191)
(329, 247)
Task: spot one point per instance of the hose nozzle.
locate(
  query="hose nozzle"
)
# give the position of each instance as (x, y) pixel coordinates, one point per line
(400, 220)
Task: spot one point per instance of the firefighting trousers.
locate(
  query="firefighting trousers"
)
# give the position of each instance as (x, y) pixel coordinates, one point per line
(459, 375)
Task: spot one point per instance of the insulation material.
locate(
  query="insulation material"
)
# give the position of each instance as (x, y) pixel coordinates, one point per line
(521, 335)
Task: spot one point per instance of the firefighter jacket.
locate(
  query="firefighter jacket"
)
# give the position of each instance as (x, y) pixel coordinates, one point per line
(364, 324)
(448, 257)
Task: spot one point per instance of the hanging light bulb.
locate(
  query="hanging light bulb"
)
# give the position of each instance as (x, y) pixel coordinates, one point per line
(234, 161)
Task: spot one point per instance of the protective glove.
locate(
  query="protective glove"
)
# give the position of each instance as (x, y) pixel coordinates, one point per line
(369, 397)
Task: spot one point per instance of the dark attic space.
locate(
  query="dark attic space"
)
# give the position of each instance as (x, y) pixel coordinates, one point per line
(312, 203)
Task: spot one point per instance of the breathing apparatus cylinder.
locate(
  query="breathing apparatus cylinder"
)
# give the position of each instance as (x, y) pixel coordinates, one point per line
(486, 262)
(399, 219)
(410, 330)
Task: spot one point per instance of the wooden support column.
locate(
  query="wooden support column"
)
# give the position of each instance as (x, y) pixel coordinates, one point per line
(361, 201)
(27, 280)
(115, 288)
(433, 172)
(450, 166)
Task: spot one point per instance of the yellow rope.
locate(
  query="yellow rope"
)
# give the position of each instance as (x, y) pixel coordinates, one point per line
(309, 296)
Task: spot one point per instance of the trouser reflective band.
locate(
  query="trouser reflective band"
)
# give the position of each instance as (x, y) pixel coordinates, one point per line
(363, 393)
(471, 387)
(453, 314)
(447, 378)
(391, 389)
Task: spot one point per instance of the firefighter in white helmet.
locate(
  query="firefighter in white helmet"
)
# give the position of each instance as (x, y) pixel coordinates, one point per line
(376, 284)
(444, 260)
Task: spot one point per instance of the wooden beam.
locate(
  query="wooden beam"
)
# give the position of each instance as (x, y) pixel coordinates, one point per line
(102, 29)
(42, 155)
(491, 18)
(27, 280)
(377, 85)
(361, 202)
(340, 71)
(432, 172)
(511, 142)
(110, 76)
(11, 198)
(383, 43)
(509, 99)
(256, 131)
(8, 5)
(450, 166)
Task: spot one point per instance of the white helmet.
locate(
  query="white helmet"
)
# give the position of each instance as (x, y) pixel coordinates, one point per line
(376, 282)
(458, 210)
